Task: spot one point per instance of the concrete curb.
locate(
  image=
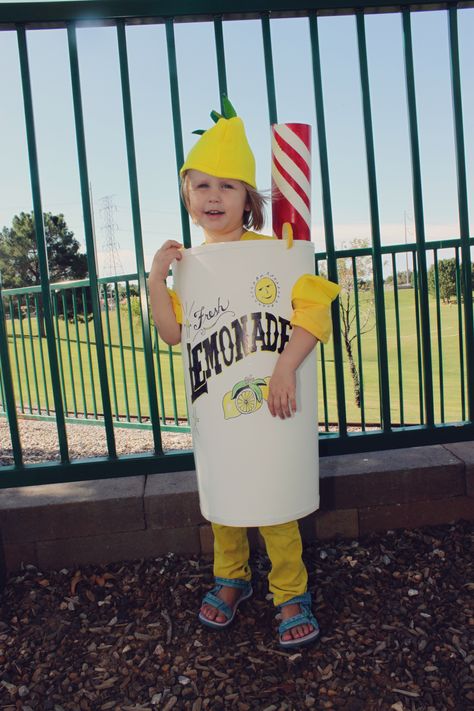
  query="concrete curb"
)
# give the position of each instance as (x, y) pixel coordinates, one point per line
(62, 525)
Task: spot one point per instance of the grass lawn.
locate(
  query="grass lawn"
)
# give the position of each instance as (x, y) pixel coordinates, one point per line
(128, 382)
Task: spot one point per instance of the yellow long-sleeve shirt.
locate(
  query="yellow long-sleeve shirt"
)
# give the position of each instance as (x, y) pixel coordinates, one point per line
(311, 298)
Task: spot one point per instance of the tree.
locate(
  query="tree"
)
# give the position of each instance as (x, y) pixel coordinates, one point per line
(19, 263)
(446, 279)
(347, 306)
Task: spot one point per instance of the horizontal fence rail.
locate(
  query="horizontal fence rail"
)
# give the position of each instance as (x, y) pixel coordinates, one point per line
(398, 369)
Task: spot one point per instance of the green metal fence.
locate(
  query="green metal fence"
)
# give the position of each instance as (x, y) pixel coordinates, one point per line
(414, 386)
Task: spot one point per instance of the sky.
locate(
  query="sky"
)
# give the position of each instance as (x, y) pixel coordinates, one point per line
(198, 84)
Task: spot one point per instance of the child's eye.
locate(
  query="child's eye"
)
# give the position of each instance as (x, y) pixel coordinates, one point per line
(228, 186)
(202, 185)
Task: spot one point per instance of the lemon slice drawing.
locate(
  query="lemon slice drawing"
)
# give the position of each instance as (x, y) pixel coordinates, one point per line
(246, 401)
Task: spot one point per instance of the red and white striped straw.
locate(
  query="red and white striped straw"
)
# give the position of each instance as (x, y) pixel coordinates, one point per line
(291, 178)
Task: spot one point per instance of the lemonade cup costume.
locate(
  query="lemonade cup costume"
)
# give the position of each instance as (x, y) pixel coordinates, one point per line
(237, 303)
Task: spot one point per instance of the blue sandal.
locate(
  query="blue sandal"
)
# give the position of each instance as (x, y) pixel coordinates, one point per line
(211, 599)
(305, 617)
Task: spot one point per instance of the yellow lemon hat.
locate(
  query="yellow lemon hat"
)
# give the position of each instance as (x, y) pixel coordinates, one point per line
(223, 150)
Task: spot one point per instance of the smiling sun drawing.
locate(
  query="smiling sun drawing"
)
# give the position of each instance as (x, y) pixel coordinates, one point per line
(266, 289)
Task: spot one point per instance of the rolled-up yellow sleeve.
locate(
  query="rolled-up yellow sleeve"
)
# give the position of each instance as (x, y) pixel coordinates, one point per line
(311, 299)
(178, 311)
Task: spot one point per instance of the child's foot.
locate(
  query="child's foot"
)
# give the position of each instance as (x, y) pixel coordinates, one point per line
(295, 632)
(298, 626)
(220, 604)
(227, 595)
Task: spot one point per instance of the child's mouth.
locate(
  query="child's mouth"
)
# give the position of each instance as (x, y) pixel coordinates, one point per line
(214, 212)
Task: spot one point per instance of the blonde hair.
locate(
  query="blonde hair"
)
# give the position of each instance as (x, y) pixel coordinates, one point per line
(253, 219)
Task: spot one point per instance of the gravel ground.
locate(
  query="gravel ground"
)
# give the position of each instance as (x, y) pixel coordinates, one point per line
(40, 442)
(395, 611)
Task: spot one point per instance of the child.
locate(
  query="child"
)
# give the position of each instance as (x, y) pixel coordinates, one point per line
(219, 190)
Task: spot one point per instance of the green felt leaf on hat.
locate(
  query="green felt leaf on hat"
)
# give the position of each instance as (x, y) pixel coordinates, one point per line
(215, 116)
(199, 131)
(229, 111)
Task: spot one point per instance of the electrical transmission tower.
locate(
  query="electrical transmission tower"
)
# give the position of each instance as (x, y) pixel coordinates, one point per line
(110, 245)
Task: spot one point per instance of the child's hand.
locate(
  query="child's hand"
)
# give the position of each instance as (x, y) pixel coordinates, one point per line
(170, 251)
(282, 392)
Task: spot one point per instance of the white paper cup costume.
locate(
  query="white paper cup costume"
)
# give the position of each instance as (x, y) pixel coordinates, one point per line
(253, 469)
(235, 306)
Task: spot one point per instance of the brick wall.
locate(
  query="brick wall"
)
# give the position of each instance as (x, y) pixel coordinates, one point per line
(61, 525)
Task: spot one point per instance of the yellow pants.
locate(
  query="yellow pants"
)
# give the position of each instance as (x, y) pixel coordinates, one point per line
(287, 577)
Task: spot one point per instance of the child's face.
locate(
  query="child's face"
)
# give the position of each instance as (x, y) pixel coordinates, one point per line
(217, 204)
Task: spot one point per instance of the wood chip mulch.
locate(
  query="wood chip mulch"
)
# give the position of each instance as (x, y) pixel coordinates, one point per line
(396, 613)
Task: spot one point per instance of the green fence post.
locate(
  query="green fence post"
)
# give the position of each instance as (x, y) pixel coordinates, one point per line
(460, 334)
(462, 205)
(41, 242)
(220, 58)
(40, 346)
(177, 128)
(15, 351)
(89, 351)
(269, 74)
(7, 381)
(137, 234)
(133, 351)
(399, 340)
(377, 263)
(328, 222)
(419, 221)
(439, 334)
(33, 355)
(79, 351)
(121, 351)
(25, 361)
(90, 240)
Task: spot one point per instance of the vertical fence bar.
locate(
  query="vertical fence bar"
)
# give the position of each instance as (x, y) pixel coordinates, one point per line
(15, 350)
(173, 384)
(323, 372)
(134, 355)
(122, 356)
(90, 238)
(33, 355)
(419, 356)
(399, 340)
(110, 349)
(23, 352)
(220, 57)
(69, 354)
(41, 242)
(439, 334)
(377, 263)
(460, 335)
(40, 346)
(79, 352)
(328, 222)
(160, 377)
(177, 128)
(89, 351)
(7, 382)
(2, 393)
(138, 239)
(359, 346)
(54, 297)
(419, 220)
(462, 204)
(269, 74)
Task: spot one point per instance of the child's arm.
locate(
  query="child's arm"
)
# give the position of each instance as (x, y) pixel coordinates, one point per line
(282, 388)
(161, 305)
(311, 298)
